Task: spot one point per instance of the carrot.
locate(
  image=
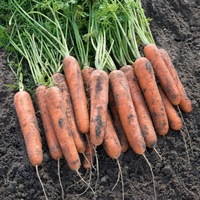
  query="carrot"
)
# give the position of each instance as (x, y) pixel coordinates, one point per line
(76, 87)
(60, 82)
(145, 75)
(141, 109)
(126, 110)
(185, 103)
(52, 141)
(55, 106)
(167, 83)
(98, 105)
(111, 142)
(175, 121)
(117, 123)
(29, 127)
(89, 152)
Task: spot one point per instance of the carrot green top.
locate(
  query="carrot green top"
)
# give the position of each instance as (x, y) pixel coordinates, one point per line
(95, 31)
(133, 9)
(81, 43)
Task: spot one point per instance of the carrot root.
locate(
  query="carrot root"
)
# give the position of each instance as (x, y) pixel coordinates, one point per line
(98, 106)
(145, 75)
(29, 127)
(56, 106)
(76, 87)
(141, 109)
(167, 83)
(185, 103)
(60, 82)
(126, 110)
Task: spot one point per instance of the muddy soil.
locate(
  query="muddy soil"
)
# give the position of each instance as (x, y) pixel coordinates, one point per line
(176, 27)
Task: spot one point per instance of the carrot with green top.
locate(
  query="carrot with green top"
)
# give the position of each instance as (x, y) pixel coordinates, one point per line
(99, 87)
(82, 53)
(140, 24)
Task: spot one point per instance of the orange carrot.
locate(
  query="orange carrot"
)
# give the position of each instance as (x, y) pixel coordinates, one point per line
(126, 110)
(117, 123)
(111, 142)
(145, 75)
(60, 82)
(175, 121)
(166, 81)
(76, 87)
(52, 141)
(141, 109)
(89, 153)
(98, 106)
(55, 106)
(29, 127)
(185, 103)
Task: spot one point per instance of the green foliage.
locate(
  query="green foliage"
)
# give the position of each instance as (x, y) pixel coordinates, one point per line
(45, 31)
(4, 39)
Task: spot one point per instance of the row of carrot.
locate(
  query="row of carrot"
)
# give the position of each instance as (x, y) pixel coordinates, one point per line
(125, 82)
(83, 109)
(130, 123)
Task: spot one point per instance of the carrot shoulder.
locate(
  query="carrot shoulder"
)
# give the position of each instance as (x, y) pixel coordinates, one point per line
(29, 126)
(52, 141)
(126, 110)
(141, 109)
(166, 81)
(175, 121)
(86, 73)
(185, 103)
(76, 87)
(60, 82)
(55, 106)
(145, 75)
(98, 105)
